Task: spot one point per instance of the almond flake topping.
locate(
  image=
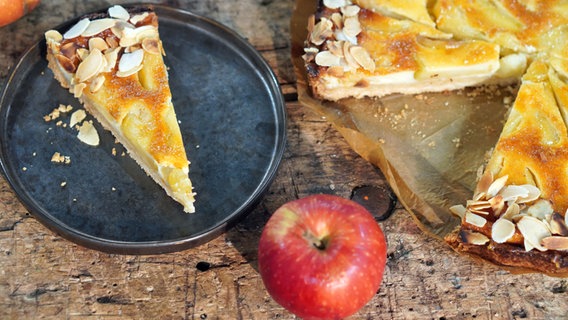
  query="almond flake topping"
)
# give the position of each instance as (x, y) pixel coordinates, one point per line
(118, 12)
(502, 230)
(130, 61)
(534, 231)
(77, 29)
(335, 4)
(98, 26)
(91, 66)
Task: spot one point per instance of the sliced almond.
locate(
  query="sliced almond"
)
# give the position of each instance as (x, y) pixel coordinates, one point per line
(77, 29)
(557, 225)
(78, 89)
(351, 62)
(337, 20)
(513, 193)
(351, 26)
(65, 63)
(118, 12)
(533, 193)
(53, 35)
(88, 134)
(112, 42)
(91, 66)
(473, 237)
(496, 186)
(151, 45)
(497, 205)
(513, 210)
(335, 47)
(82, 53)
(334, 4)
(322, 31)
(98, 43)
(111, 56)
(362, 57)
(69, 49)
(502, 230)
(139, 17)
(77, 117)
(130, 61)
(327, 59)
(130, 72)
(98, 26)
(97, 83)
(475, 219)
(350, 11)
(533, 230)
(555, 243)
(458, 210)
(540, 209)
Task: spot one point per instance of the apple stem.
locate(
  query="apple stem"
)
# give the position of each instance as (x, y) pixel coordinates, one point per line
(318, 243)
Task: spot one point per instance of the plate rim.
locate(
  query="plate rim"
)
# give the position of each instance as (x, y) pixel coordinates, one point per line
(156, 246)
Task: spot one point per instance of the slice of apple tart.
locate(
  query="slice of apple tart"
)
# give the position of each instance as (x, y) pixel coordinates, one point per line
(113, 64)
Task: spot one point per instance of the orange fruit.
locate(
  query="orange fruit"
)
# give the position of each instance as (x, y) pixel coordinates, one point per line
(12, 10)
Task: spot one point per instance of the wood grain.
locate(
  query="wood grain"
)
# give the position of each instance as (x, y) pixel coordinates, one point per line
(43, 276)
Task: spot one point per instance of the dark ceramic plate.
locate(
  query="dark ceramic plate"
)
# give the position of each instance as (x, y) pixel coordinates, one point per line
(232, 117)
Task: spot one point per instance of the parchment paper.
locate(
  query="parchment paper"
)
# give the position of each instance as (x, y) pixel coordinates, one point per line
(428, 146)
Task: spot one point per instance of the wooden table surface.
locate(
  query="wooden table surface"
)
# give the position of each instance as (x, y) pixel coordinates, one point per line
(44, 276)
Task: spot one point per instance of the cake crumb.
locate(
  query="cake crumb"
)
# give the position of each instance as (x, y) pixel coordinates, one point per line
(63, 184)
(59, 158)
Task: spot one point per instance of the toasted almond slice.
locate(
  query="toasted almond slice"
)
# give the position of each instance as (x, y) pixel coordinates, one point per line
(97, 83)
(130, 72)
(362, 57)
(78, 89)
(88, 134)
(82, 53)
(322, 31)
(327, 59)
(459, 210)
(337, 20)
(351, 26)
(350, 11)
(497, 205)
(540, 209)
(533, 193)
(76, 117)
(555, 243)
(111, 56)
(334, 4)
(69, 49)
(475, 219)
(130, 61)
(513, 193)
(98, 43)
(112, 42)
(557, 225)
(335, 47)
(502, 230)
(151, 45)
(473, 237)
(496, 186)
(118, 12)
(91, 66)
(533, 230)
(139, 17)
(53, 35)
(351, 62)
(131, 37)
(98, 26)
(513, 210)
(65, 63)
(77, 29)
(483, 185)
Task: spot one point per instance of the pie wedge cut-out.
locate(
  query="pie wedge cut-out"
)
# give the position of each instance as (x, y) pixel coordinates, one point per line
(372, 48)
(113, 64)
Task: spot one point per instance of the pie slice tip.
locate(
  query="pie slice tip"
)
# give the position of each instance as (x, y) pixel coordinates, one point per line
(113, 64)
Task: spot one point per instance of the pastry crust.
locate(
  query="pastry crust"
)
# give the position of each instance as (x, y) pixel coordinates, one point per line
(128, 93)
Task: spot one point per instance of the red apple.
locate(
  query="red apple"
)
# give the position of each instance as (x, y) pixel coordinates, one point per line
(322, 257)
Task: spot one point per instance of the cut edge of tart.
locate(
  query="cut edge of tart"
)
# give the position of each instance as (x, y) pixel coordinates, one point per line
(517, 215)
(113, 64)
